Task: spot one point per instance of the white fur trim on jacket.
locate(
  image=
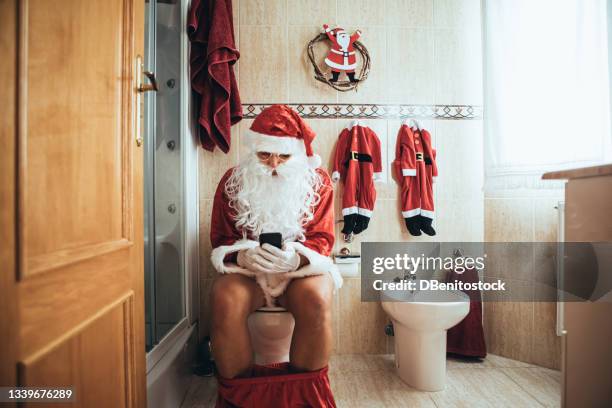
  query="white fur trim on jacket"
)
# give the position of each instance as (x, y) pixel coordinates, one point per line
(318, 264)
(274, 284)
(333, 64)
(218, 255)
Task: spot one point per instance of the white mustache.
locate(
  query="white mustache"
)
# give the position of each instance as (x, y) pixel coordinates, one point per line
(284, 170)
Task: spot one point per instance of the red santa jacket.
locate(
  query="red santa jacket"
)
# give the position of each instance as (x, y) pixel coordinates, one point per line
(226, 239)
(358, 163)
(339, 57)
(415, 167)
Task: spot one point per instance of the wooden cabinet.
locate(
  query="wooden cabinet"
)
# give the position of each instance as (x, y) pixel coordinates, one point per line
(587, 344)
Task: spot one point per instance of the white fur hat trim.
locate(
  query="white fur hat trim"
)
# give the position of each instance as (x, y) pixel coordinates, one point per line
(280, 145)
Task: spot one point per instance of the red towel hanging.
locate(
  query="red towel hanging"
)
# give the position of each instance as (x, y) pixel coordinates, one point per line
(467, 337)
(213, 54)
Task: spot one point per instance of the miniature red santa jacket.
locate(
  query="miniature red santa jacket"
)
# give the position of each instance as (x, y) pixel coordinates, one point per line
(226, 240)
(415, 166)
(341, 58)
(358, 163)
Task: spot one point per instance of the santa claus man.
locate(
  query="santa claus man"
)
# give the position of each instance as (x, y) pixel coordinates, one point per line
(277, 188)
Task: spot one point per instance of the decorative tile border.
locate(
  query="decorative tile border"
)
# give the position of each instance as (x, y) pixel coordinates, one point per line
(373, 111)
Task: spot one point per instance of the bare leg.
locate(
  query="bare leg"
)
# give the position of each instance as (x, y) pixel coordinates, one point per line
(309, 300)
(233, 298)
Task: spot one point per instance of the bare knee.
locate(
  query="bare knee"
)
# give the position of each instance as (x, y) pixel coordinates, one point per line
(230, 302)
(311, 304)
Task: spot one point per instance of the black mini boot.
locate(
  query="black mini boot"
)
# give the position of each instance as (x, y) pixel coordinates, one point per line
(425, 225)
(351, 77)
(361, 224)
(335, 76)
(349, 223)
(413, 225)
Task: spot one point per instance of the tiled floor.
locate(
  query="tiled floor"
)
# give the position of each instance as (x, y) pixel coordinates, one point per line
(370, 381)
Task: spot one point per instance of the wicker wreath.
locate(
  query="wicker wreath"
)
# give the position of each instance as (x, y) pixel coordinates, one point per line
(346, 85)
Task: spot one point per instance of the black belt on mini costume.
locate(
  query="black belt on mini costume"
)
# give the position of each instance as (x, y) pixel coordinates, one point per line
(360, 157)
(421, 157)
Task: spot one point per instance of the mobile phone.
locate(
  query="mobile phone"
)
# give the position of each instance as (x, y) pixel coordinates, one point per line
(272, 238)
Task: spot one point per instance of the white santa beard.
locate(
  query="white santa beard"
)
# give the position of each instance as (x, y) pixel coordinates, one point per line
(273, 203)
(343, 41)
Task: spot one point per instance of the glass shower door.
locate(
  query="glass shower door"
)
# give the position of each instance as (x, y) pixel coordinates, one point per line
(164, 269)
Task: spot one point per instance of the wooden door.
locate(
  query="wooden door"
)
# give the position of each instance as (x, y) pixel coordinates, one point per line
(71, 189)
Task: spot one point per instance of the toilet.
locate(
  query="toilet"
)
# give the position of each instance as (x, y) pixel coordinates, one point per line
(271, 329)
(420, 321)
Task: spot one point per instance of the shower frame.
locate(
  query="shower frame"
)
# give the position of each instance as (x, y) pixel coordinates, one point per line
(168, 363)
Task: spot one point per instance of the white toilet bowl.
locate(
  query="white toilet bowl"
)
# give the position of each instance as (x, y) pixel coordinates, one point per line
(271, 329)
(420, 321)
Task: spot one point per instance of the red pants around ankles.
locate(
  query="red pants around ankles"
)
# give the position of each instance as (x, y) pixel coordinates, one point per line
(274, 386)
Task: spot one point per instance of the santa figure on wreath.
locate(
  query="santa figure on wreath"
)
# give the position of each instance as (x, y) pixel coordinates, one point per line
(342, 56)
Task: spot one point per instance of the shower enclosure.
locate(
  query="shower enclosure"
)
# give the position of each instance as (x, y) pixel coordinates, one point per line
(164, 271)
(170, 213)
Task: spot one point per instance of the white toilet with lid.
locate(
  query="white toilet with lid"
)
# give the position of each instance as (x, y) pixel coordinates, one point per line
(271, 329)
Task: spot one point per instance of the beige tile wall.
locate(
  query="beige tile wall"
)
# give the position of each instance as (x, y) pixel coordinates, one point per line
(408, 40)
(523, 331)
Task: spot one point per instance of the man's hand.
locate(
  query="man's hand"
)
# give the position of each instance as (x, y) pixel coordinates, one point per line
(269, 259)
(251, 259)
(280, 260)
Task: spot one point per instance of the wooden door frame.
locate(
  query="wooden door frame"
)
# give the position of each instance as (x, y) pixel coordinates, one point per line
(8, 203)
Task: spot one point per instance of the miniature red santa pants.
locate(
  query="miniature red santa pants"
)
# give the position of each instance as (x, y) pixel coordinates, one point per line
(417, 190)
(273, 387)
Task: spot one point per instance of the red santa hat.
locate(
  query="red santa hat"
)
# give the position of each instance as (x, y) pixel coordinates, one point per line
(279, 129)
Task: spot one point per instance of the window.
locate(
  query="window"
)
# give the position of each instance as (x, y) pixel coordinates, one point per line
(546, 88)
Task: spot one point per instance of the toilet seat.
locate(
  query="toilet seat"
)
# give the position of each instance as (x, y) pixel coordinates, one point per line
(271, 309)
